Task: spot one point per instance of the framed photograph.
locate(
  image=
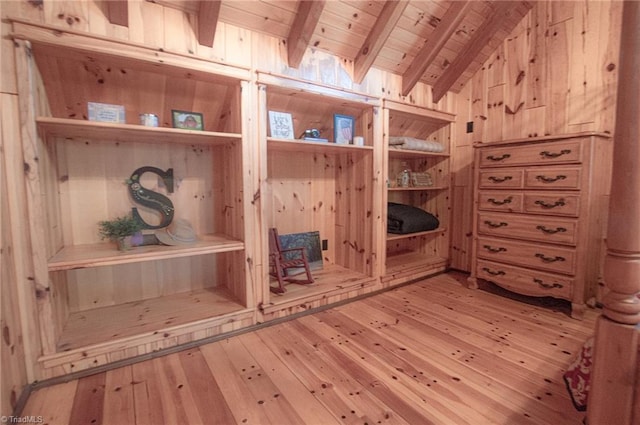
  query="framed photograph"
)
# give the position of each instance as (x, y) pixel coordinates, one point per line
(281, 125)
(187, 120)
(343, 129)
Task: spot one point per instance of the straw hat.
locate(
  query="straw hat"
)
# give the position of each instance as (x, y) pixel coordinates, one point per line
(179, 232)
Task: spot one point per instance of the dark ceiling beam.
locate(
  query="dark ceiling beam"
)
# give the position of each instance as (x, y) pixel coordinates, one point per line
(434, 44)
(302, 29)
(118, 11)
(501, 11)
(386, 22)
(208, 12)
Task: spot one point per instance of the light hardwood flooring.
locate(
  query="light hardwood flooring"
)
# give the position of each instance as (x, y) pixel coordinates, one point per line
(432, 352)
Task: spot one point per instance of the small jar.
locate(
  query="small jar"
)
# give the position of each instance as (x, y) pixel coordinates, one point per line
(149, 120)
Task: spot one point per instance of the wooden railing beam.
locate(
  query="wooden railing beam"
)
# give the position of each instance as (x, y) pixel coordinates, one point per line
(208, 13)
(386, 22)
(434, 44)
(118, 11)
(483, 34)
(302, 29)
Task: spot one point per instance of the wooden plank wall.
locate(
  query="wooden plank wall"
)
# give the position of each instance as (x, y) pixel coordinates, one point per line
(555, 73)
(13, 365)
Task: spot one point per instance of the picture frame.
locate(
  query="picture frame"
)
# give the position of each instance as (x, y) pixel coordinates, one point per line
(281, 125)
(187, 120)
(343, 129)
(311, 243)
(106, 112)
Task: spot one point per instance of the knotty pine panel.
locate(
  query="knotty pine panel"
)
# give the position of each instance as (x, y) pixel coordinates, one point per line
(354, 209)
(103, 286)
(11, 270)
(558, 72)
(93, 184)
(302, 196)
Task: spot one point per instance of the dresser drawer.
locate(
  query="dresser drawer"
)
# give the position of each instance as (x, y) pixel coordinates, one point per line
(490, 179)
(567, 204)
(552, 178)
(564, 152)
(525, 281)
(543, 229)
(500, 201)
(538, 256)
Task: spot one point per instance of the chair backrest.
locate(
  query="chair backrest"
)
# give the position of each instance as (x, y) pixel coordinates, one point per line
(274, 241)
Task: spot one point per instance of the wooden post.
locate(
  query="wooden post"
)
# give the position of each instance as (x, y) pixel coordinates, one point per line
(615, 370)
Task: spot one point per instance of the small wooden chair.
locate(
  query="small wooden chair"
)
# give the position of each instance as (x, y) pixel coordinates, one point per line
(281, 260)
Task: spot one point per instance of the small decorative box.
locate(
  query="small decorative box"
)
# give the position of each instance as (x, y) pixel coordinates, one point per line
(106, 113)
(422, 179)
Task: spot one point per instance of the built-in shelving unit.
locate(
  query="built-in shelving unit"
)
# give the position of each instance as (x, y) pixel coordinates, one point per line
(319, 186)
(413, 255)
(231, 181)
(100, 304)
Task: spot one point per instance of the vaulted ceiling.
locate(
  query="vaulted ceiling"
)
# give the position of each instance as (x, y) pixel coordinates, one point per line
(439, 42)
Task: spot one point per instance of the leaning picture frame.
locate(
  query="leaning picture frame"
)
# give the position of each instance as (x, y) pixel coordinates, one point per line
(187, 120)
(281, 125)
(343, 129)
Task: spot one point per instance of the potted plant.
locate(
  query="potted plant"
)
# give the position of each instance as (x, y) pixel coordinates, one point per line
(119, 230)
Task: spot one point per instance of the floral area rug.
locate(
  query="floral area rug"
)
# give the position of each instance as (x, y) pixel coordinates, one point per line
(577, 376)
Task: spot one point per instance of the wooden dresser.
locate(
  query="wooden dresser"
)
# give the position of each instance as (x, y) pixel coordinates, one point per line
(540, 211)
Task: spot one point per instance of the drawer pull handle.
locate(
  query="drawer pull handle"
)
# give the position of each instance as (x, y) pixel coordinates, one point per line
(551, 231)
(505, 201)
(549, 259)
(548, 154)
(500, 179)
(492, 249)
(495, 225)
(498, 158)
(545, 179)
(492, 273)
(558, 203)
(547, 285)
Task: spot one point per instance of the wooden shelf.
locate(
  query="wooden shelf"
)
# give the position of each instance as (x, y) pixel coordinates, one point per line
(127, 133)
(298, 145)
(416, 189)
(150, 316)
(395, 237)
(406, 153)
(410, 261)
(106, 254)
(330, 280)
(420, 113)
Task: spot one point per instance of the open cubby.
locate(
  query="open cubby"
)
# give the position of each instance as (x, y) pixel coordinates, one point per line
(413, 255)
(320, 186)
(101, 298)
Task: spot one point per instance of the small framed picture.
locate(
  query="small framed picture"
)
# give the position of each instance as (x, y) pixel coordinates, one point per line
(343, 129)
(281, 125)
(187, 120)
(106, 112)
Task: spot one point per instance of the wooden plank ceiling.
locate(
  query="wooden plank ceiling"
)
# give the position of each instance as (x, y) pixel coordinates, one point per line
(439, 42)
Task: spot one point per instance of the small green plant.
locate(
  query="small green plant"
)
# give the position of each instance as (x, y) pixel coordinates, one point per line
(119, 228)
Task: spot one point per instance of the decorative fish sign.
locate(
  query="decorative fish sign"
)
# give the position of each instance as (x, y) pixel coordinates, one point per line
(151, 199)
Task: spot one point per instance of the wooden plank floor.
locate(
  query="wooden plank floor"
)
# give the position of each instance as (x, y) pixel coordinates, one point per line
(432, 352)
